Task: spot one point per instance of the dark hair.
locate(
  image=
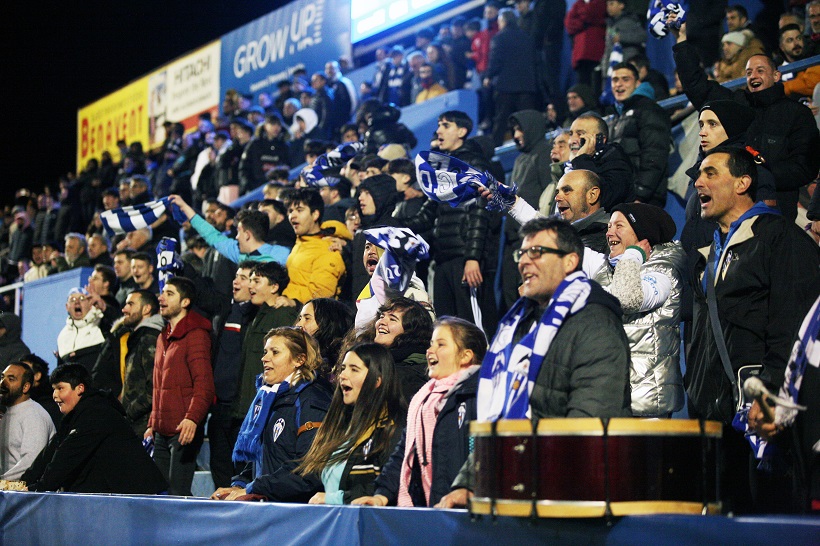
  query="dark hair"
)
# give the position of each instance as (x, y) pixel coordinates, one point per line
(566, 236)
(229, 211)
(308, 197)
(108, 275)
(314, 146)
(148, 298)
(466, 335)
(278, 173)
(274, 118)
(255, 222)
(143, 256)
(246, 264)
(342, 426)
(402, 165)
(741, 11)
(348, 127)
(73, 374)
(334, 320)
(185, 287)
(473, 24)
(415, 321)
(458, 117)
(740, 163)
(277, 205)
(639, 60)
(36, 363)
(274, 272)
(786, 28)
(28, 373)
(627, 66)
(127, 252)
(603, 128)
(374, 161)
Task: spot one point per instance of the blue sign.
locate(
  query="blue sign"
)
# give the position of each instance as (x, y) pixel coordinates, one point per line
(303, 34)
(370, 17)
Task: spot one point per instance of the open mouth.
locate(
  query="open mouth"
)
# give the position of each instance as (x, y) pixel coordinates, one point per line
(562, 209)
(78, 309)
(371, 263)
(755, 84)
(704, 199)
(346, 389)
(613, 244)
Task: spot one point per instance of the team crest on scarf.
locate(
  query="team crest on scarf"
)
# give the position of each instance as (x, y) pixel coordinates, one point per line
(462, 413)
(256, 409)
(509, 371)
(278, 427)
(367, 447)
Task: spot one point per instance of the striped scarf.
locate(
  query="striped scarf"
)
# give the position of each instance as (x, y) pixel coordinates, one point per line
(140, 216)
(509, 371)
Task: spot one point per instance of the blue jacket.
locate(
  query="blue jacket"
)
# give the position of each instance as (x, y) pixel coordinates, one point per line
(283, 446)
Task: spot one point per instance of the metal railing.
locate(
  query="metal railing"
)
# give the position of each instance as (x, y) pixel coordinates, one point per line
(18, 294)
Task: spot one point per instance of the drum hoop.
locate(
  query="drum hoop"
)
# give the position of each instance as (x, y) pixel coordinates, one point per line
(633, 508)
(663, 427)
(503, 427)
(570, 426)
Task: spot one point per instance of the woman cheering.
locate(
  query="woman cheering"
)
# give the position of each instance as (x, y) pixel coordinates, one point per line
(281, 423)
(362, 426)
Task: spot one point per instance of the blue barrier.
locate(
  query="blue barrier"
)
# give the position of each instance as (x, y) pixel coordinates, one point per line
(58, 518)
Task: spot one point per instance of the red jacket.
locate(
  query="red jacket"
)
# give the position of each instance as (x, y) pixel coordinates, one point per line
(183, 376)
(481, 46)
(586, 24)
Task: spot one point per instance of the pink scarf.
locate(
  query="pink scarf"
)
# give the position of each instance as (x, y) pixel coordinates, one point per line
(421, 421)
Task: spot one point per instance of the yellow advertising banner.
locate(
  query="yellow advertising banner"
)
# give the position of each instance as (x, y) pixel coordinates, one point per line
(122, 115)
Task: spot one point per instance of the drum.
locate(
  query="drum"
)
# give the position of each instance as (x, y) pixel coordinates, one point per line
(586, 468)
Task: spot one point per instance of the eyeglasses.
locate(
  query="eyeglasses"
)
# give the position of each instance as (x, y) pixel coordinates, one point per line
(535, 252)
(79, 299)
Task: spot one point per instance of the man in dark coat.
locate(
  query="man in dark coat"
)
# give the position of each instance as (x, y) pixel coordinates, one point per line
(94, 450)
(643, 129)
(783, 131)
(766, 276)
(511, 72)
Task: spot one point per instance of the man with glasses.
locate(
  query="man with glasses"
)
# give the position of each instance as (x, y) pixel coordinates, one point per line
(81, 339)
(560, 351)
(577, 377)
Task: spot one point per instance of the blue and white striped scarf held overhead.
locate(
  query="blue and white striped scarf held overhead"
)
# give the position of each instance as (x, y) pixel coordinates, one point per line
(446, 179)
(509, 371)
(134, 217)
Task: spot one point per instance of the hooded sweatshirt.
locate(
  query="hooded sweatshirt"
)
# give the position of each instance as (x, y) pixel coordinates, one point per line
(11, 346)
(531, 171)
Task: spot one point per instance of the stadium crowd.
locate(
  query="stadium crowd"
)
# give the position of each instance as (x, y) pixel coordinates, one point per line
(330, 355)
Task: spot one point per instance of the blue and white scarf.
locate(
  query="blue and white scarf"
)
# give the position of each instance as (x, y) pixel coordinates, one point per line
(325, 170)
(140, 216)
(445, 179)
(806, 351)
(403, 250)
(508, 372)
(658, 13)
(249, 442)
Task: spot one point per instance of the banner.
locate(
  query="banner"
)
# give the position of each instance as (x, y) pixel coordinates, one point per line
(122, 115)
(182, 90)
(303, 34)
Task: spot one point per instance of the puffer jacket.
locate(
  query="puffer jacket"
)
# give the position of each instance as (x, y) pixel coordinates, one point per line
(644, 131)
(183, 377)
(654, 336)
(139, 371)
(314, 271)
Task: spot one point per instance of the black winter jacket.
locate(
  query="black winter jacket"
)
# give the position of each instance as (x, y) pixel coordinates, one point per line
(645, 133)
(259, 154)
(283, 446)
(451, 446)
(368, 465)
(784, 131)
(95, 451)
(770, 282)
(614, 167)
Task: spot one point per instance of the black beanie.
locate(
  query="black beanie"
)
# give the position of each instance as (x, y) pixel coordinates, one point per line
(734, 117)
(586, 93)
(648, 222)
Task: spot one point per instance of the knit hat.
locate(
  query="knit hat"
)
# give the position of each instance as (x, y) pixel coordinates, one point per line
(648, 222)
(586, 93)
(735, 37)
(734, 117)
(392, 151)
